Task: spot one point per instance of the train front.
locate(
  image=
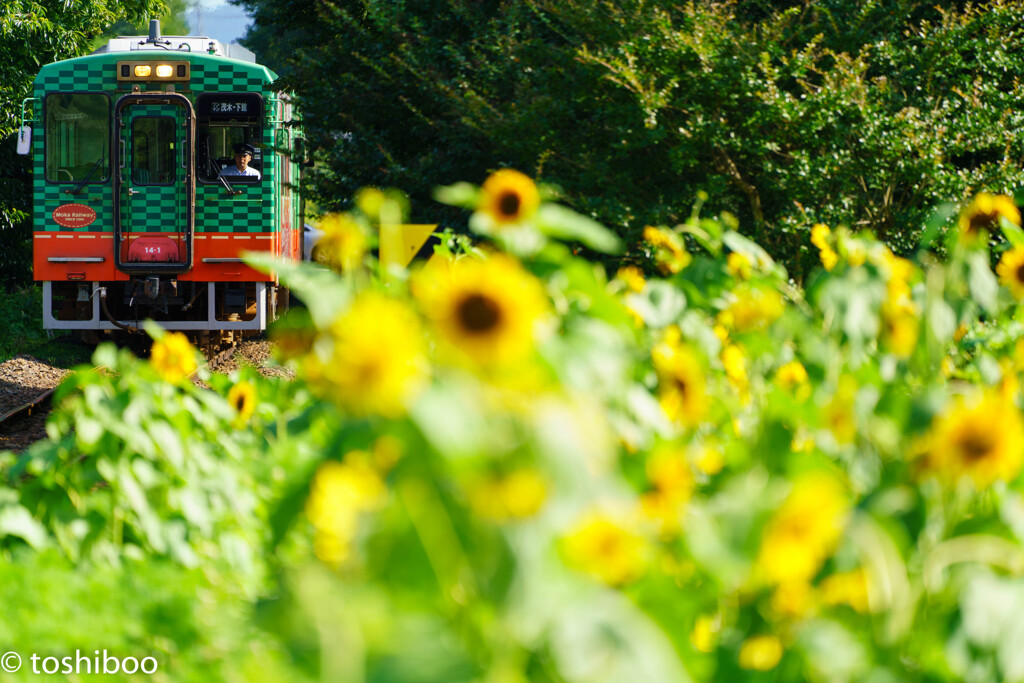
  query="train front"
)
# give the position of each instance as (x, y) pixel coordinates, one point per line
(159, 161)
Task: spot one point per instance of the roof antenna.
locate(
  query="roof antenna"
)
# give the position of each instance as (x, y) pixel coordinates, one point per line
(154, 33)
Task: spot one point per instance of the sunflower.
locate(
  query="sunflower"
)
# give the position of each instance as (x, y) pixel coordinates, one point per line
(681, 382)
(632, 277)
(899, 327)
(672, 483)
(1011, 271)
(377, 364)
(900, 270)
(485, 311)
(792, 599)
(752, 308)
(605, 549)
(792, 374)
(760, 653)
(508, 197)
(339, 493)
(670, 253)
(739, 265)
(983, 213)
(981, 437)
(839, 414)
(705, 633)
(173, 357)
(242, 397)
(820, 236)
(804, 531)
(515, 495)
(735, 365)
(343, 244)
(848, 588)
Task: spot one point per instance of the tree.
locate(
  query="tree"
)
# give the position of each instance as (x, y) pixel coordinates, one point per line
(34, 33)
(173, 22)
(784, 113)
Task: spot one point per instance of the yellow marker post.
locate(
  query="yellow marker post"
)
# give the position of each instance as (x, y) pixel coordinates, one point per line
(399, 243)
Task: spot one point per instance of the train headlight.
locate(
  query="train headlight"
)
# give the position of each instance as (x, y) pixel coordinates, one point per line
(177, 71)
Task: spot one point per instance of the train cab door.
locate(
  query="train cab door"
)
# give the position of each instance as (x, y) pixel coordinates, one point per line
(154, 187)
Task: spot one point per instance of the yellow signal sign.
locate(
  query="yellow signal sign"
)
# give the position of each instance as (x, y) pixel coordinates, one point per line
(399, 243)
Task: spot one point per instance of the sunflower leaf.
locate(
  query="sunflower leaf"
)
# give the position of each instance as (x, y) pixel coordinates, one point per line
(323, 292)
(464, 195)
(565, 224)
(1014, 235)
(933, 226)
(15, 520)
(983, 285)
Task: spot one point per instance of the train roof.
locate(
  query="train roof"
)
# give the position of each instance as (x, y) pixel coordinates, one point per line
(88, 72)
(172, 44)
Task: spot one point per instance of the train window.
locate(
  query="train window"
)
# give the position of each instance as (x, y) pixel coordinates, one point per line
(215, 152)
(77, 138)
(223, 122)
(153, 150)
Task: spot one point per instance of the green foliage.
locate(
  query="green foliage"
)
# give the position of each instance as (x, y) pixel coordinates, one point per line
(22, 324)
(37, 32)
(34, 33)
(859, 113)
(192, 627)
(173, 22)
(15, 216)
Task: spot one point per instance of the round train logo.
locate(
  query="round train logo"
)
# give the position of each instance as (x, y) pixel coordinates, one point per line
(74, 215)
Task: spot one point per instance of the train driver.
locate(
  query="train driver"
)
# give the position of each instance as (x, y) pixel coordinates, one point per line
(243, 155)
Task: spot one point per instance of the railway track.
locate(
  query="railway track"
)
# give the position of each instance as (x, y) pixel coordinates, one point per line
(25, 410)
(23, 413)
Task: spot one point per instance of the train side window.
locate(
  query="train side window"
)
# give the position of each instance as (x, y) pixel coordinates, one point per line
(77, 137)
(153, 150)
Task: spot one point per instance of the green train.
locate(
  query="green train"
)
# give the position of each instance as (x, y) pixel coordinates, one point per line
(158, 162)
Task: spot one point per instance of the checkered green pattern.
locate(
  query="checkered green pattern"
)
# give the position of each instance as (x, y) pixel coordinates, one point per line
(86, 74)
(255, 210)
(247, 212)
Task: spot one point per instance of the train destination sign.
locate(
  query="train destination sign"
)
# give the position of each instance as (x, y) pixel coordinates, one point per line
(74, 215)
(229, 107)
(224, 106)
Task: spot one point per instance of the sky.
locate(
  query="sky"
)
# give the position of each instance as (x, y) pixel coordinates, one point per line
(219, 20)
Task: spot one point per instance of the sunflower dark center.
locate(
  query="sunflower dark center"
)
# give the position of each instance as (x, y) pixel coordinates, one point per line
(240, 402)
(479, 313)
(976, 446)
(369, 371)
(509, 203)
(982, 220)
(1019, 273)
(682, 386)
(609, 545)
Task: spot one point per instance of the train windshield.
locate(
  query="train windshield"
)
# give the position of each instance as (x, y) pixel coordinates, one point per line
(77, 137)
(227, 123)
(215, 153)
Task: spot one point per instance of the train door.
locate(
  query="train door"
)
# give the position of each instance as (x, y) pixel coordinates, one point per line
(154, 189)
